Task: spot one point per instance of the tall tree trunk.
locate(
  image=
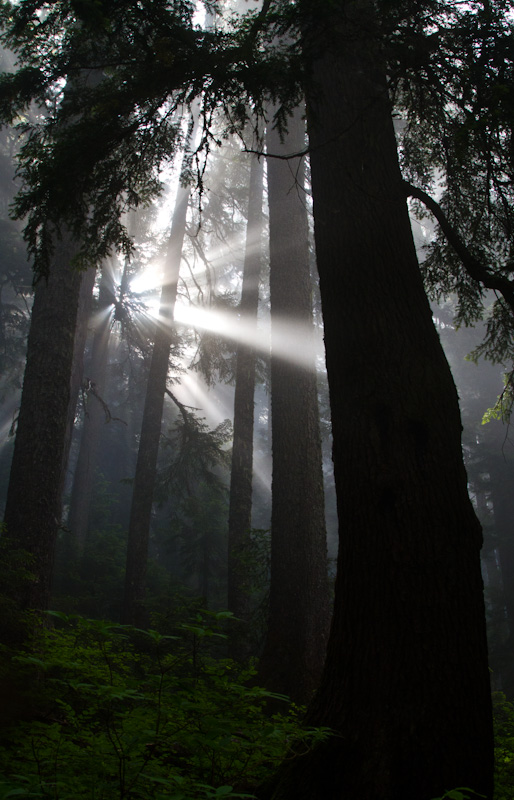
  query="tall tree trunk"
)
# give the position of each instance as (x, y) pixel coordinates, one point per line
(146, 467)
(240, 505)
(84, 312)
(83, 479)
(406, 683)
(503, 506)
(295, 645)
(33, 507)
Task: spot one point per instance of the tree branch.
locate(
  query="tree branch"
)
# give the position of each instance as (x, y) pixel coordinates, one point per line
(181, 407)
(471, 264)
(281, 157)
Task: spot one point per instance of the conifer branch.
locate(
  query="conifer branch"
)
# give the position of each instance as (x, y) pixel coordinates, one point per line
(472, 265)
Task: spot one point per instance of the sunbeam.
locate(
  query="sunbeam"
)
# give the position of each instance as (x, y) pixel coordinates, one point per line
(148, 280)
(292, 341)
(193, 392)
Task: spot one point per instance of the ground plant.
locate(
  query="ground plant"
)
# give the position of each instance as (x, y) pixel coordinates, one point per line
(117, 712)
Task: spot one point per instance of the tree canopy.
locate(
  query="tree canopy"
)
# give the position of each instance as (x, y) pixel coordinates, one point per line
(110, 78)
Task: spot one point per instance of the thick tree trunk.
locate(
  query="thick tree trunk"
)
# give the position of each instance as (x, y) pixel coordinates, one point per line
(146, 466)
(295, 645)
(503, 506)
(406, 683)
(240, 506)
(83, 478)
(33, 507)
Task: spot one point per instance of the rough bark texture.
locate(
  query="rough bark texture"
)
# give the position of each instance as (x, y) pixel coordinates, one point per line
(406, 683)
(503, 506)
(240, 506)
(295, 645)
(33, 507)
(146, 467)
(83, 478)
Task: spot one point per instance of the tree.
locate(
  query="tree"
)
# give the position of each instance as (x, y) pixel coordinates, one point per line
(299, 615)
(240, 504)
(407, 647)
(33, 506)
(95, 415)
(146, 467)
(451, 75)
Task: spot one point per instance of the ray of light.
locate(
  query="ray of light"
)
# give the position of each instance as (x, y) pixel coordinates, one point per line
(100, 316)
(261, 474)
(292, 340)
(149, 279)
(193, 392)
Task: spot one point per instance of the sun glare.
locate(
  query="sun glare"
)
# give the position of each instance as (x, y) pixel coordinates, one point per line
(148, 280)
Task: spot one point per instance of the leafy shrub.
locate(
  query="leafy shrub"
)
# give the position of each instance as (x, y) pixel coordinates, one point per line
(125, 713)
(504, 747)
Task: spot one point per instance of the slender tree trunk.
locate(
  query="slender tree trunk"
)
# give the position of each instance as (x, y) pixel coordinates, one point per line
(146, 467)
(33, 507)
(94, 419)
(84, 311)
(240, 506)
(406, 683)
(295, 645)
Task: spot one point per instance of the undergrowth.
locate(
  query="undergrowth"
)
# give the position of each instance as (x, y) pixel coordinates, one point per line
(112, 712)
(99, 711)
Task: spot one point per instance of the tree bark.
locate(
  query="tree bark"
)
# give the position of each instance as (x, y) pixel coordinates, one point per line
(83, 478)
(295, 645)
(33, 507)
(406, 684)
(240, 505)
(503, 508)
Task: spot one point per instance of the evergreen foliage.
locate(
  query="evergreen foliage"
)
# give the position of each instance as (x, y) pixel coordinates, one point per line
(452, 85)
(111, 78)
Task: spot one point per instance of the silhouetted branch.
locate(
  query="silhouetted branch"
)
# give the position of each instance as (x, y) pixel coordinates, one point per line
(90, 388)
(471, 264)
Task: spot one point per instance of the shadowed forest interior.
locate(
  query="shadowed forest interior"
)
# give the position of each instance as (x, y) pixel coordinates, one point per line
(256, 384)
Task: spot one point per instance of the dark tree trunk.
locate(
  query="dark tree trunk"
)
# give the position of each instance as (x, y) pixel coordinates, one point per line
(295, 644)
(33, 507)
(406, 683)
(503, 506)
(94, 419)
(146, 466)
(240, 506)
(84, 311)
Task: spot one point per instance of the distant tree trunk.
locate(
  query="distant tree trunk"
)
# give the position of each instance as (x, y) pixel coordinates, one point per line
(298, 623)
(94, 418)
(84, 311)
(406, 683)
(146, 467)
(240, 505)
(33, 507)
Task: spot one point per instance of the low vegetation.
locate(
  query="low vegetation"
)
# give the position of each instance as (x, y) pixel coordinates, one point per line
(100, 711)
(110, 711)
